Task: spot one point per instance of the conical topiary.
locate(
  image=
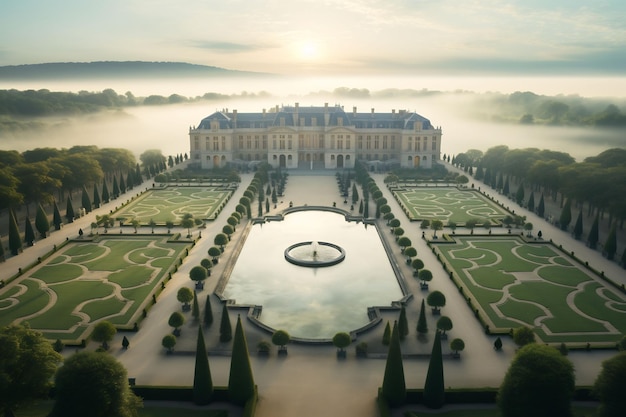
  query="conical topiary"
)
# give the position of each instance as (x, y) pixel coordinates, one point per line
(394, 385)
(202, 381)
(15, 240)
(29, 233)
(86, 201)
(240, 380)
(387, 334)
(403, 324)
(226, 330)
(56, 217)
(208, 312)
(434, 390)
(422, 325)
(42, 224)
(69, 211)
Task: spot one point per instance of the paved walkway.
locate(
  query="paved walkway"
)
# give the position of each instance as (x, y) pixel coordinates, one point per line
(310, 380)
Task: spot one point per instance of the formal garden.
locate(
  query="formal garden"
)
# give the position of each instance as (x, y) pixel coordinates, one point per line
(448, 204)
(511, 282)
(109, 277)
(172, 203)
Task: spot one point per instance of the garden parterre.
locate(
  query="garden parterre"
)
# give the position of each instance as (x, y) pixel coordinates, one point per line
(110, 277)
(448, 204)
(511, 283)
(171, 203)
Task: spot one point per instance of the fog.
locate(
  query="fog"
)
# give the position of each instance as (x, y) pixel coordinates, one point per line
(166, 127)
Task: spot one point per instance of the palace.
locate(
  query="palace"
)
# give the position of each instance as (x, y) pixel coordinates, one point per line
(314, 138)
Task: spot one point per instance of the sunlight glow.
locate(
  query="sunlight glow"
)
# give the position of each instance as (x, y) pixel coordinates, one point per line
(308, 51)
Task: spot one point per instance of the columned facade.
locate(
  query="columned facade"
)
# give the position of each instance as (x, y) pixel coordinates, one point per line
(314, 138)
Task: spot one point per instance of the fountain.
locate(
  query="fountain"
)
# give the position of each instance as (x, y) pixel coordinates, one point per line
(314, 254)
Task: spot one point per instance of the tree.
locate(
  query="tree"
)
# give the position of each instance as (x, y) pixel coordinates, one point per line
(539, 382)
(529, 228)
(214, 252)
(27, 364)
(226, 330)
(185, 296)
(541, 208)
(86, 202)
(387, 334)
(404, 242)
(169, 224)
(434, 390)
(168, 342)
(436, 300)
(425, 224)
(198, 274)
(609, 386)
(96, 196)
(578, 227)
(610, 246)
(29, 233)
(41, 222)
(341, 341)
(436, 225)
(425, 276)
(519, 195)
(106, 197)
(202, 381)
(457, 345)
(93, 384)
(523, 336)
(471, 224)
(403, 324)
(15, 241)
(208, 312)
(56, 217)
(444, 324)
(531, 202)
(422, 325)
(394, 384)
(594, 236)
(281, 338)
(240, 380)
(69, 211)
(410, 252)
(103, 332)
(417, 264)
(221, 240)
(566, 215)
(187, 223)
(176, 320)
(195, 309)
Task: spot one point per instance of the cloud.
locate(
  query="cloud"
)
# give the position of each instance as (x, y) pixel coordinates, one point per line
(228, 47)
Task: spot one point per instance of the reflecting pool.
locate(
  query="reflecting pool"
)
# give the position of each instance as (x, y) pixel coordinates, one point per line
(313, 302)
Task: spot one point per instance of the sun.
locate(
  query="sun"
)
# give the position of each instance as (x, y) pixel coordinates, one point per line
(308, 51)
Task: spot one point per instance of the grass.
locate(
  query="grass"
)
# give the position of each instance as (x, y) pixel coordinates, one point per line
(449, 204)
(516, 282)
(172, 203)
(80, 285)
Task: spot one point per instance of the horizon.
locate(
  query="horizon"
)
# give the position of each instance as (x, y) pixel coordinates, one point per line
(357, 37)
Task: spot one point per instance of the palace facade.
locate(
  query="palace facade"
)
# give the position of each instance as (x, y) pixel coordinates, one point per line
(314, 138)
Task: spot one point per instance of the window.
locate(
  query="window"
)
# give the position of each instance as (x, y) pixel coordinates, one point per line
(223, 143)
(359, 142)
(256, 142)
(409, 146)
(240, 142)
(289, 143)
(376, 145)
(216, 144)
(384, 142)
(348, 143)
(368, 143)
(393, 142)
(434, 144)
(196, 144)
(282, 143)
(418, 145)
(274, 144)
(207, 143)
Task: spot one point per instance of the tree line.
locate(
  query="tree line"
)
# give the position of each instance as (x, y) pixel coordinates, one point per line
(597, 181)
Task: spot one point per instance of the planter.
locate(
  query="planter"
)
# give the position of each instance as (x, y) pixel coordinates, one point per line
(341, 354)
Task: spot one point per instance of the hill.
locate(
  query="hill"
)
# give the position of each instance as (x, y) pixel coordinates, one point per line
(115, 69)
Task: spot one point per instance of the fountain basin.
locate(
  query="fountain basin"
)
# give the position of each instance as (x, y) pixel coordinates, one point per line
(314, 254)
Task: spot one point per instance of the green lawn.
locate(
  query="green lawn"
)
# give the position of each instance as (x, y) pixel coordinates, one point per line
(535, 284)
(172, 203)
(448, 204)
(578, 411)
(110, 278)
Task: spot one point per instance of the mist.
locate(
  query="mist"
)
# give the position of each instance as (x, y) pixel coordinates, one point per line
(455, 110)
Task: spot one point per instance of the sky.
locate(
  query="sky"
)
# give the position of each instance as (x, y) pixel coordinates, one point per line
(316, 37)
